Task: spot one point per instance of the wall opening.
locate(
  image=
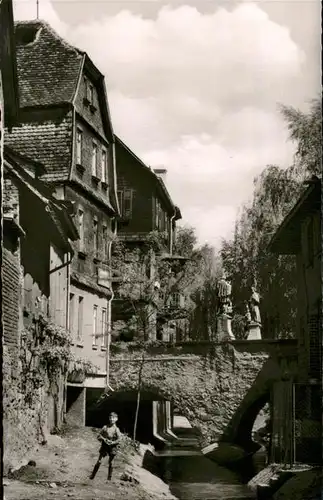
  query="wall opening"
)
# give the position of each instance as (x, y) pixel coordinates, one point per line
(75, 405)
(244, 433)
(124, 403)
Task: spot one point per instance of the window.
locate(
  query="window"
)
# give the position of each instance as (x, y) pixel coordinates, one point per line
(95, 236)
(71, 314)
(105, 242)
(125, 202)
(86, 97)
(175, 300)
(104, 165)
(104, 328)
(95, 320)
(81, 228)
(79, 138)
(80, 319)
(91, 94)
(94, 158)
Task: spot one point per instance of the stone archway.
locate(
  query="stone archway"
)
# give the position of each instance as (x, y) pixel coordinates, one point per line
(239, 429)
(124, 403)
(243, 436)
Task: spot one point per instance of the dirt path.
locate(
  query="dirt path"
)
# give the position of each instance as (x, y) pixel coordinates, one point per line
(64, 465)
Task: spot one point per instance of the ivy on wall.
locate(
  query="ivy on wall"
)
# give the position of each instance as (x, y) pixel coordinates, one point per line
(46, 358)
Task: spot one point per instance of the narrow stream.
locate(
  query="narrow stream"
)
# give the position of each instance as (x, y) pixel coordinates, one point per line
(192, 476)
(199, 478)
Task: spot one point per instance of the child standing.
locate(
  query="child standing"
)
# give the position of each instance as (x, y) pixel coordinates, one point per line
(109, 436)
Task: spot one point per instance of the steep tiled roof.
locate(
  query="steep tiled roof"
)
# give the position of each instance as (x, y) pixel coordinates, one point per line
(48, 67)
(61, 221)
(49, 142)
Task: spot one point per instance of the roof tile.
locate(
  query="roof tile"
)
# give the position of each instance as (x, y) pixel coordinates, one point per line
(48, 67)
(49, 142)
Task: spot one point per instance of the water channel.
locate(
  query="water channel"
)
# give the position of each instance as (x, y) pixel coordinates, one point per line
(192, 476)
(199, 478)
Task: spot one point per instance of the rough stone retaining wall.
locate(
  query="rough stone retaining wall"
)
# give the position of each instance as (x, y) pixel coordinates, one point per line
(21, 430)
(206, 388)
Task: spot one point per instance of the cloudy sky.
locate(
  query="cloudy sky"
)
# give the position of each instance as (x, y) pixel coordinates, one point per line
(194, 85)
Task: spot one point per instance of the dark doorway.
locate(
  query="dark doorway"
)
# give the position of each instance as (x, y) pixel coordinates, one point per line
(75, 405)
(93, 398)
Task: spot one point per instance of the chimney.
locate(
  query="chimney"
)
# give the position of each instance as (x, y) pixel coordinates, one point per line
(161, 173)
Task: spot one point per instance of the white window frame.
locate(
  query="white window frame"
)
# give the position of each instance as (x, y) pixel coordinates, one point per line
(104, 321)
(79, 145)
(95, 227)
(94, 159)
(71, 317)
(105, 241)
(104, 165)
(80, 318)
(95, 325)
(80, 215)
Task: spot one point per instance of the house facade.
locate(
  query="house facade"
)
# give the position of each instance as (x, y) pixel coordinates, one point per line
(300, 235)
(146, 208)
(34, 268)
(66, 125)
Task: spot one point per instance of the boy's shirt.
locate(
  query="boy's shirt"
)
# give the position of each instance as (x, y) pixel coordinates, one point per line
(111, 432)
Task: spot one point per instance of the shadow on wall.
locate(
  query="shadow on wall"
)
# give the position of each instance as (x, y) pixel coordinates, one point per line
(124, 403)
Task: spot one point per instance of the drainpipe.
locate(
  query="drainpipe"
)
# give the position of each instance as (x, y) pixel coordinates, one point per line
(68, 284)
(109, 310)
(67, 261)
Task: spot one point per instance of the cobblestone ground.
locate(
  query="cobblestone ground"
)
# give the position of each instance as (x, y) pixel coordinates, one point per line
(64, 465)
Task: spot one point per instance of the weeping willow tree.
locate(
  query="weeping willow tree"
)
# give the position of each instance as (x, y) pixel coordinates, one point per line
(246, 257)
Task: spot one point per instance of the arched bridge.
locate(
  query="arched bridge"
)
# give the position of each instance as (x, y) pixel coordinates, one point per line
(218, 387)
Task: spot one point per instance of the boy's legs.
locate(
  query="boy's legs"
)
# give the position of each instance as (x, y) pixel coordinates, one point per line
(112, 454)
(96, 467)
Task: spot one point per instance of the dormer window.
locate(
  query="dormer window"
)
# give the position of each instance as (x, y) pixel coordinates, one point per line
(86, 100)
(91, 98)
(91, 94)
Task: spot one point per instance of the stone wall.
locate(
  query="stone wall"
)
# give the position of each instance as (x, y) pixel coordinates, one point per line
(206, 387)
(21, 422)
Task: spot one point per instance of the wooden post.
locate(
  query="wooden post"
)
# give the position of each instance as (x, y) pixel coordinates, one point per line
(138, 397)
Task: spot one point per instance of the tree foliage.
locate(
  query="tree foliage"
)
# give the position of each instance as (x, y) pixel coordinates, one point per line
(192, 276)
(246, 257)
(305, 130)
(148, 279)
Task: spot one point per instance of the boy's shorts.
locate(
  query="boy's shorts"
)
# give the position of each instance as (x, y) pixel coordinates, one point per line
(108, 450)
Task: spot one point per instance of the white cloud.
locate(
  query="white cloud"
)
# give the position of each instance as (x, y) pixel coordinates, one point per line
(26, 10)
(198, 92)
